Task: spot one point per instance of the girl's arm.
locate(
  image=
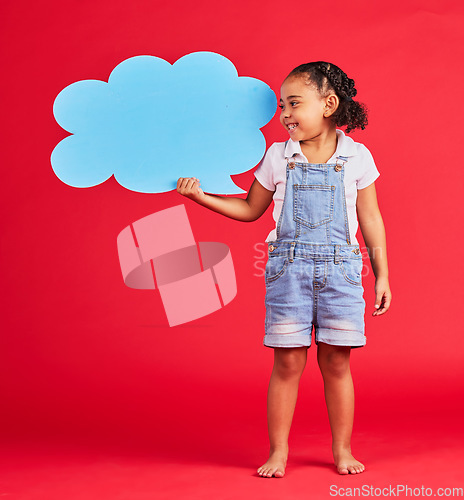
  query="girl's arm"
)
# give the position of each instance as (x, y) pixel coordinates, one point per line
(248, 210)
(373, 231)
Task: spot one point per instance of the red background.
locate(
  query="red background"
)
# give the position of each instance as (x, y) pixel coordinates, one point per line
(97, 386)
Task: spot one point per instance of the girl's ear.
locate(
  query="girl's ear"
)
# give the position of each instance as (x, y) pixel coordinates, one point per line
(331, 104)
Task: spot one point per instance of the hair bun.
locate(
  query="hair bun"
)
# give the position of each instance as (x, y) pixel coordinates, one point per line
(338, 79)
(350, 90)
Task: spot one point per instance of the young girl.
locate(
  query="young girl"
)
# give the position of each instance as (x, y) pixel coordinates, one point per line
(322, 183)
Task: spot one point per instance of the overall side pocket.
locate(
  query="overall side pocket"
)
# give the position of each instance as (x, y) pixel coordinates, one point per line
(275, 268)
(352, 270)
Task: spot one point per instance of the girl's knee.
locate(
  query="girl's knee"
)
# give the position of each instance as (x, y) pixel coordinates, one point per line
(290, 362)
(334, 360)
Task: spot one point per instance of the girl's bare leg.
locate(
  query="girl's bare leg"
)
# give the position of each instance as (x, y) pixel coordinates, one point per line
(289, 363)
(334, 362)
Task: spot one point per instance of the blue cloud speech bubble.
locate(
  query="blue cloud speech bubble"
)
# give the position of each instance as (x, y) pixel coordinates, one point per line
(154, 122)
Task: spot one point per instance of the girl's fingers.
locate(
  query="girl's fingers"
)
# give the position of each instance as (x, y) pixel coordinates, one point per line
(189, 183)
(189, 187)
(387, 302)
(378, 304)
(183, 182)
(387, 298)
(186, 182)
(382, 304)
(194, 185)
(378, 300)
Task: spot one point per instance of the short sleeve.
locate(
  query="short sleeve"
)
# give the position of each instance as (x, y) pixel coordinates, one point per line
(369, 172)
(265, 172)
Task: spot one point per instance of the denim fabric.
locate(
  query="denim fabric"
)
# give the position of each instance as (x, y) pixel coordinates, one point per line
(313, 273)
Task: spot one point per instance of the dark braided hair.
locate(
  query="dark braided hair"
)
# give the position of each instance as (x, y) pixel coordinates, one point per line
(327, 78)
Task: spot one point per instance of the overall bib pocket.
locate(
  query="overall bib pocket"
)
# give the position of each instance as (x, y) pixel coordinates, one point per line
(275, 268)
(313, 204)
(352, 270)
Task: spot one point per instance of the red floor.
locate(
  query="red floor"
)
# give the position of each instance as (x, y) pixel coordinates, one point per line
(399, 451)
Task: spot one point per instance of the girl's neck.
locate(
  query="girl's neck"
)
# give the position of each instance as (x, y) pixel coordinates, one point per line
(321, 148)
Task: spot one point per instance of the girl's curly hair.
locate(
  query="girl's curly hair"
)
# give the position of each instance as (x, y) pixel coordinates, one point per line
(327, 77)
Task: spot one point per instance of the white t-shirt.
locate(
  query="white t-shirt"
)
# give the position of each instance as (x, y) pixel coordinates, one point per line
(360, 172)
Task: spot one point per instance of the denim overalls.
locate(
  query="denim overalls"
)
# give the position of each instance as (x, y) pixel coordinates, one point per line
(313, 272)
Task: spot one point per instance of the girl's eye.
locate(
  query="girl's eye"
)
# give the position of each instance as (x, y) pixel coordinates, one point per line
(292, 104)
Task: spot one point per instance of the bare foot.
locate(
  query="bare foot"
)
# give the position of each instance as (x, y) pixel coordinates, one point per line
(346, 463)
(275, 466)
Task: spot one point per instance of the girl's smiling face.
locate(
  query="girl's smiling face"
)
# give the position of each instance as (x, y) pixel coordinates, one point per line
(303, 110)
